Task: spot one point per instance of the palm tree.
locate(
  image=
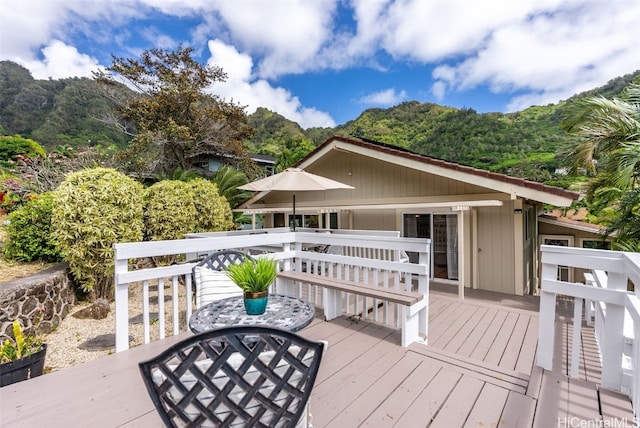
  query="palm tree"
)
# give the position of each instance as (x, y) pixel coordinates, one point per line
(609, 149)
(609, 132)
(228, 179)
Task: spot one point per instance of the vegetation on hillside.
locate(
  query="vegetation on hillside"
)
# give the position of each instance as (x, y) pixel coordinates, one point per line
(55, 112)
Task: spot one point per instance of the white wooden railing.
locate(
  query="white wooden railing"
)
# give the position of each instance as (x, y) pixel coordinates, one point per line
(616, 312)
(285, 246)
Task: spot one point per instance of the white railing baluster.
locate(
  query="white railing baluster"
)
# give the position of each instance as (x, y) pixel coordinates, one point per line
(161, 321)
(175, 305)
(577, 336)
(145, 312)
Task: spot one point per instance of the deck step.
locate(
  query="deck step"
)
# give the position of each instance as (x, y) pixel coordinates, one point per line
(509, 379)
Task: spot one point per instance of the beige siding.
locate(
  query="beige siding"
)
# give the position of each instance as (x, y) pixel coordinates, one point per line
(496, 248)
(375, 220)
(375, 179)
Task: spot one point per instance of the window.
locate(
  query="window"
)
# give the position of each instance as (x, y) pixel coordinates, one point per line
(596, 244)
(564, 272)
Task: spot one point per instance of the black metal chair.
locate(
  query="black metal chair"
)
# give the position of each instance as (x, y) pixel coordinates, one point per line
(210, 280)
(236, 376)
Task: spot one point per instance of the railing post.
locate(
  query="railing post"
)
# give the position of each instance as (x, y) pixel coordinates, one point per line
(546, 326)
(122, 307)
(612, 347)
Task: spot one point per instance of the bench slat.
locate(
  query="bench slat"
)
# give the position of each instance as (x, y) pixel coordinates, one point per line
(407, 298)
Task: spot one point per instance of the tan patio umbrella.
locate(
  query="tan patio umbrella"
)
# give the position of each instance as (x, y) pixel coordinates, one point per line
(294, 180)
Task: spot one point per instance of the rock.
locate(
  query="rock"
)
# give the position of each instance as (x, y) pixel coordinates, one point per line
(137, 319)
(97, 311)
(102, 342)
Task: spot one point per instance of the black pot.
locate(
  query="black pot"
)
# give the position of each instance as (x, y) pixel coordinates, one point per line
(24, 368)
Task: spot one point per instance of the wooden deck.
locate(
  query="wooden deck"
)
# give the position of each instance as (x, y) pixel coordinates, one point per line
(477, 371)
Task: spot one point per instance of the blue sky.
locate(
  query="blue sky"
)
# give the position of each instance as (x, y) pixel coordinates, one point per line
(322, 62)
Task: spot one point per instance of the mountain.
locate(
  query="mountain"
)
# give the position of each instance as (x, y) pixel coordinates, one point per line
(522, 144)
(54, 112)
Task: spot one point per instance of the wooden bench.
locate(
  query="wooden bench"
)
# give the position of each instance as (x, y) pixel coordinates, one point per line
(414, 316)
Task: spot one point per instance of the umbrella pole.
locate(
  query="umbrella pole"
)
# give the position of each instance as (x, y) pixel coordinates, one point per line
(294, 212)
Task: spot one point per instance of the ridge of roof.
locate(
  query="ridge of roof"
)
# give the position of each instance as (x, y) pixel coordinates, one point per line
(407, 154)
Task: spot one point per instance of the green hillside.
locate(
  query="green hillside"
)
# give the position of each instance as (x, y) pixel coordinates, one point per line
(524, 144)
(54, 112)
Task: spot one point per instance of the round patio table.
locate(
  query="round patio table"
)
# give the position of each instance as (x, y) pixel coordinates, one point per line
(283, 312)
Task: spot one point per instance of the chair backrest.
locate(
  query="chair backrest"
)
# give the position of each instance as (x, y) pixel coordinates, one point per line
(211, 282)
(235, 376)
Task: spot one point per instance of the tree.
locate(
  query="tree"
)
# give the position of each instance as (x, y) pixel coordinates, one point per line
(175, 121)
(609, 150)
(610, 137)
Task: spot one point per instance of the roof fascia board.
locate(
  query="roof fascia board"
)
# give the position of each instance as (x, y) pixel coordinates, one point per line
(572, 226)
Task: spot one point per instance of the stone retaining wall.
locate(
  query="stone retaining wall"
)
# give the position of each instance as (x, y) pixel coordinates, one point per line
(42, 300)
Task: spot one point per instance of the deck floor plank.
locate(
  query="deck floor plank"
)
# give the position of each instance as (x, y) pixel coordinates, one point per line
(388, 381)
(456, 409)
(582, 396)
(463, 334)
(519, 412)
(615, 405)
(499, 345)
(430, 400)
(452, 329)
(489, 336)
(390, 411)
(473, 339)
(513, 347)
(488, 408)
(527, 356)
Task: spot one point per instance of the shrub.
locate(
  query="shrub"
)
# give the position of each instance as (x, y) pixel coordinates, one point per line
(213, 212)
(30, 233)
(96, 208)
(169, 211)
(12, 146)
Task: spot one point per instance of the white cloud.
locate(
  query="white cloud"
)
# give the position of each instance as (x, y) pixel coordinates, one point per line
(387, 97)
(253, 92)
(552, 55)
(286, 34)
(60, 61)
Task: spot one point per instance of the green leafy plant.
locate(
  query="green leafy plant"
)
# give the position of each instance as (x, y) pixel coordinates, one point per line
(213, 212)
(30, 232)
(94, 209)
(169, 211)
(253, 276)
(21, 346)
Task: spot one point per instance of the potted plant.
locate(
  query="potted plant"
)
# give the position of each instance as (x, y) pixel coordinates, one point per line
(21, 358)
(254, 278)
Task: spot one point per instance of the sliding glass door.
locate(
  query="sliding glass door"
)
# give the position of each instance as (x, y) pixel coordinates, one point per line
(442, 229)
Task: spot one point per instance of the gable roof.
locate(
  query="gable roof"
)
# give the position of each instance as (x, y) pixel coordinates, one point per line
(500, 182)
